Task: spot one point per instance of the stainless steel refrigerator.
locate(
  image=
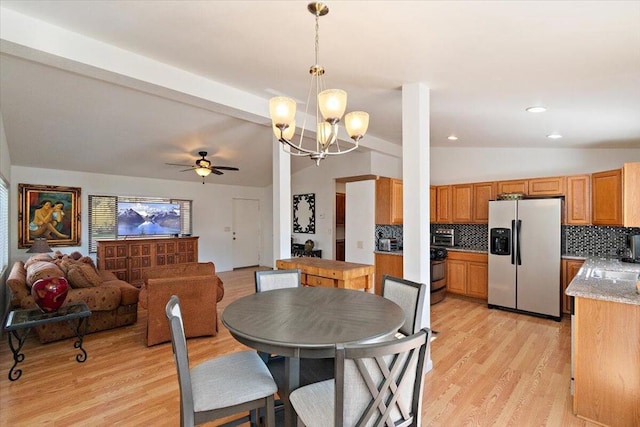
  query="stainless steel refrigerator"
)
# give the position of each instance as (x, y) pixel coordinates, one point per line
(524, 256)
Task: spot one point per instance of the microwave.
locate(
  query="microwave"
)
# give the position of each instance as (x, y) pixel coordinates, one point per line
(444, 237)
(388, 245)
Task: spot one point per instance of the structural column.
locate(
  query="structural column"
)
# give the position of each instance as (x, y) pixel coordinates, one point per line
(415, 179)
(281, 202)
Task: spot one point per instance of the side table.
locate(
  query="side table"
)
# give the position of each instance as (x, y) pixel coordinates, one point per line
(20, 322)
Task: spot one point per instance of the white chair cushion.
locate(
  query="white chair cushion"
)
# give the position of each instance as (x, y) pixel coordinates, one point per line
(314, 403)
(230, 380)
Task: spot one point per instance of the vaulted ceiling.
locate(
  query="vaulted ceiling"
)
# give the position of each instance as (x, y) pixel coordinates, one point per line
(123, 87)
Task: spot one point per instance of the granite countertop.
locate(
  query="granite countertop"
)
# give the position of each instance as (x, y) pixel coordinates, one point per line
(389, 252)
(586, 286)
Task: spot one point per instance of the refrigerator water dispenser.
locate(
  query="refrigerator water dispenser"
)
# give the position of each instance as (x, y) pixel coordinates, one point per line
(500, 241)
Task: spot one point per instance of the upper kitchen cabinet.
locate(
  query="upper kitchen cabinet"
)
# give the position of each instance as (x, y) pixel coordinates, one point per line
(443, 199)
(514, 186)
(631, 195)
(433, 207)
(462, 203)
(606, 194)
(389, 201)
(340, 208)
(552, 186)
(482, 193)
(578, 200)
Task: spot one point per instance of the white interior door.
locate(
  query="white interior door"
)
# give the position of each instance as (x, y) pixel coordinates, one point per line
(246, 233)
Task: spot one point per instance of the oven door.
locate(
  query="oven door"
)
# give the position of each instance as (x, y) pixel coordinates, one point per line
(437, 270)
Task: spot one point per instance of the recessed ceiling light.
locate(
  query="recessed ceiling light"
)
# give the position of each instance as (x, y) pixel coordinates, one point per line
(554, 136)
(536, 109)
(452, 138)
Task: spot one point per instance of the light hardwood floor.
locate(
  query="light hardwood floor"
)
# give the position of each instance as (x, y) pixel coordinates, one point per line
(491, 368)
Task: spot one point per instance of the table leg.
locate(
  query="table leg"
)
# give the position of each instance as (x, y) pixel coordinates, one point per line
(291, 382)
(80, 329)
(15, 337)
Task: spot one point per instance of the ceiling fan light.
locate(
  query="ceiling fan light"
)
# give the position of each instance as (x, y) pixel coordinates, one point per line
(332, 103)
(202, 171)
(357, 123)
(282, 110)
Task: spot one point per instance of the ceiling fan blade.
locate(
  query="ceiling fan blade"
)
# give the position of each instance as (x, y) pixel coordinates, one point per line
(217, 172)
(184, 170)
(225, 168)
(176, 164)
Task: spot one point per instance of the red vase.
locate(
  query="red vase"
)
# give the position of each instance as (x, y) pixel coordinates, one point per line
(50, 293)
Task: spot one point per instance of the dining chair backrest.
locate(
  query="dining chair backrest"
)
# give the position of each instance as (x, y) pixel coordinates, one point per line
(181, 355)
(410, 296)
(381, 383)
(268, 280)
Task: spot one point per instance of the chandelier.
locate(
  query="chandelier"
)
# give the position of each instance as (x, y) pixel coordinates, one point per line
(330, 107)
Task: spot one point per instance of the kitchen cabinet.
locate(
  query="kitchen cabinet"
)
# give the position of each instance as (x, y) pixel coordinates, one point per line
(443, 200)
(129, 259)
(340, 208)
(387, 264)
(462, 203)
(389, 201)
(483, 192)
(578, 200)
(631, 194)
(570, 268)
(468, 274)
(606, 194)
(548, 186)
(513, 186)
(433, 207)
(607, 351)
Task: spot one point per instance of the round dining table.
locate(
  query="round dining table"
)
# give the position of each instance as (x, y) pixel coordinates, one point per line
(308, 322)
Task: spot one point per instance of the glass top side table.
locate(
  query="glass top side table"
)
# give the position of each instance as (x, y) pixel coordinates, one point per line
(20, 322)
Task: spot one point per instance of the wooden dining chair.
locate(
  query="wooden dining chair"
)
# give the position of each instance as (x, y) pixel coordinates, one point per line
(410, 296)
(376, 384)
(222, 386)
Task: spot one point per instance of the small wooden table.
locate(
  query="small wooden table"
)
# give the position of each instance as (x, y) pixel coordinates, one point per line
(331, 274)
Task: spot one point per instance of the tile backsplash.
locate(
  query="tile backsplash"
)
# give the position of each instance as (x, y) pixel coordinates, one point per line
(576, 240)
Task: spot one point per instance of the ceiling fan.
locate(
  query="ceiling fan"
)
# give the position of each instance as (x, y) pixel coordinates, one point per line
(203, 167)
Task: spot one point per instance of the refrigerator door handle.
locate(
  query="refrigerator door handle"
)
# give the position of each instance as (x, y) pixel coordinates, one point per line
(518, 226)
(513, 235)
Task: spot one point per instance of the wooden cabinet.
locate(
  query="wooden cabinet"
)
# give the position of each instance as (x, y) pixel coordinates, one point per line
(340, 250)
(578, 200)
(482, 193)
(606, 371)
(468, 274)
(631, 194)
(606, 194)
(433, 207)
(388, 201)
(340, 208)
(549, 186)
(462, 203)
(443, 200)
(387, 264)
(129, 259)
(513, 186)
(570, 268)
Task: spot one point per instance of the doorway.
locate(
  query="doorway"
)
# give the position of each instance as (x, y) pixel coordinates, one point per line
(247, 236)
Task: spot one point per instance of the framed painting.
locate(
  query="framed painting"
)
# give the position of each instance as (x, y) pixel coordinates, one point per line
(304, 213)
(50, 212)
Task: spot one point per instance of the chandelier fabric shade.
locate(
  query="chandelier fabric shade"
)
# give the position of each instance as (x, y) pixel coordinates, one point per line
(330, 107)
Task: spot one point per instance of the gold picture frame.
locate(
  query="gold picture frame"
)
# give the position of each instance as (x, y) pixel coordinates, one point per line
(48, 211)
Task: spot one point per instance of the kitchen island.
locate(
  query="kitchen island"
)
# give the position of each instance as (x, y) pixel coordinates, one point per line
(606, 342)
(329, 273)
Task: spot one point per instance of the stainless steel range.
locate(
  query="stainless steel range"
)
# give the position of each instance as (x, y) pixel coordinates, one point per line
(438, 274)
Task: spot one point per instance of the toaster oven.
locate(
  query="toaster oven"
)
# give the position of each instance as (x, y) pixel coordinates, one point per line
(444, 237)
(388, 245)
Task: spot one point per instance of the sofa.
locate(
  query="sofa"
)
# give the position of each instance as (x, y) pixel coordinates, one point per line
(199, 290)
(113, 302)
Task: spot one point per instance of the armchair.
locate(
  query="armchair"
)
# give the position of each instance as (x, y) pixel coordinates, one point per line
(199, 290)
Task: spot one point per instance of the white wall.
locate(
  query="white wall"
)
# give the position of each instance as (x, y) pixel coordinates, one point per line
(462, 165)
(5, 160)
(360, 222)
(212, 207)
